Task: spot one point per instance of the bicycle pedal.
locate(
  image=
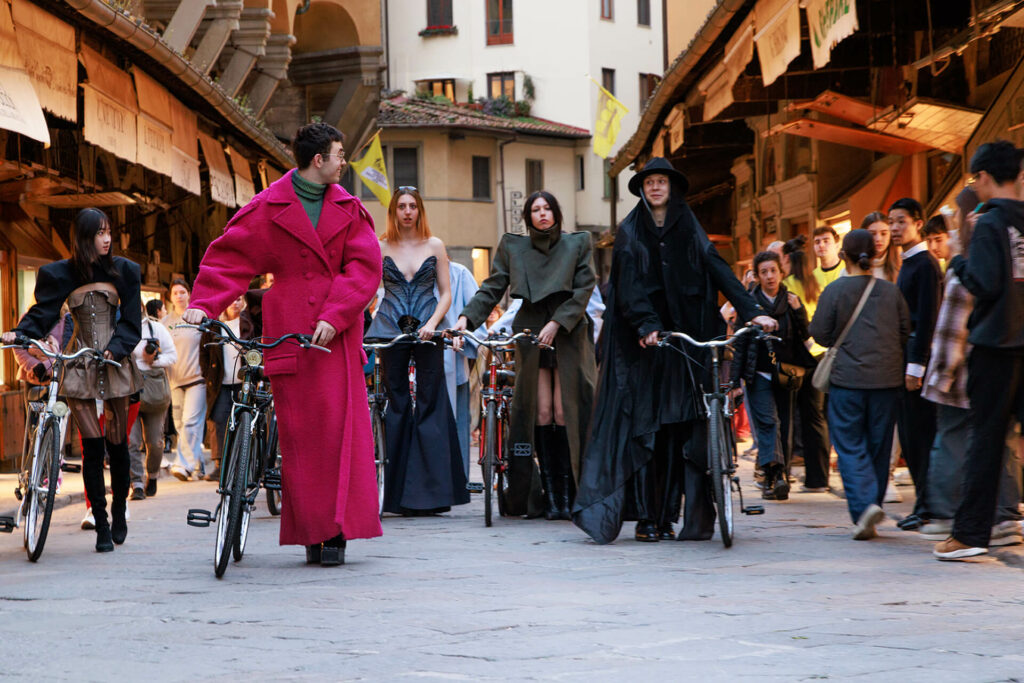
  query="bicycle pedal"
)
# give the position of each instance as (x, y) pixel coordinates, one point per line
(199, 518)
(272, 479)
(522, 449)
(475, 487)
(753, 510)
(71, 467)
(6, 525)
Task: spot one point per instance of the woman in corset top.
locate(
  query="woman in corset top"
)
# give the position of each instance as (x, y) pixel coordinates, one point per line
(102, 292)
(425, 473)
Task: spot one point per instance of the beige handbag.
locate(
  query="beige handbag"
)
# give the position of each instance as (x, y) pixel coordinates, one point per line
(823, 373)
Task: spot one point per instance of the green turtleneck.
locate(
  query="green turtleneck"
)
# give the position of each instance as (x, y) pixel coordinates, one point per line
(311, 195)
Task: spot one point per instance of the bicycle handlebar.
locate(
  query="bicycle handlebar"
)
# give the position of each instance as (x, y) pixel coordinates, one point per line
(24, 342)
(717, 343)
(227, 336)
(502, 340)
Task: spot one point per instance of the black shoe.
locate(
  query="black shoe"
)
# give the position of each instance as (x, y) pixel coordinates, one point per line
(138, 493)
(313, 553)
(542, 446)
(646, 531)
(104, 543)
(911, 523)
(118, 523)
(214, 475)
(151, 488)
(665, 533)
(776, 483)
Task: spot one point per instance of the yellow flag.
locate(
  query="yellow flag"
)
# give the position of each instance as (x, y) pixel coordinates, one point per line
(372, 172)
(609, 120)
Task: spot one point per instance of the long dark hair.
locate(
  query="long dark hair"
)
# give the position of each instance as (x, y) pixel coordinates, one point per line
(801, 267)
(892, 260)
(84, 259)
(859, 247)
(556, 210)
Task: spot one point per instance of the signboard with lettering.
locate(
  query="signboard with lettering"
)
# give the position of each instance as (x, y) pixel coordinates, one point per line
(109, 125)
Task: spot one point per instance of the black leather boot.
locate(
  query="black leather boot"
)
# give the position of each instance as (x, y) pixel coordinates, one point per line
(96, 490)
(542, 444)
(333, 552)
(120, 481)
(564, 480)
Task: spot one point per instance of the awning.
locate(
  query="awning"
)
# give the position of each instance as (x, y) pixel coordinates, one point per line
(185, 147)
(942, 126)
(717, 86)
(47, 46)
(20, 110)
(155, 124)
(110, 106)
(244, 188)
(778, 36)
(81, 201)
(676, 124)
(829, 22)
(222, 187)
(840, 106)
(851, 137)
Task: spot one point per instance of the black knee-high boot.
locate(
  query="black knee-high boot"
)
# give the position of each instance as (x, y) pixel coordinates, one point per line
(565, 483)
(120, 480)
(542, 444)
(96, 490)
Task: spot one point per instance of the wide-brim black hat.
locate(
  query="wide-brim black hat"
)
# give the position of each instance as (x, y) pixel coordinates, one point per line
(662, 166)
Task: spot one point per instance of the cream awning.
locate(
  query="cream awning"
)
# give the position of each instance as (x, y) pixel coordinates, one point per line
(222, 187)
(185, 147)
(829, 23)
(717, 86)
(20, 110)
(110, 108)
(47, 46)
(155, 124)
(777, 24)
(244, 188)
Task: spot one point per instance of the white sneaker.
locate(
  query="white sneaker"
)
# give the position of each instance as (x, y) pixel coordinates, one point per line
(88, 522)
(865, 529)
(127, 514)
(1006, 533)
(892, 495)
(902, 477)
(937, 529)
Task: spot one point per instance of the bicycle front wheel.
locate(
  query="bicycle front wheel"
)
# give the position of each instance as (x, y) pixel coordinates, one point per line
(43, 472)
(721, 474)
(250, 489)
(232, 491)
(380, 455)
(488, 461)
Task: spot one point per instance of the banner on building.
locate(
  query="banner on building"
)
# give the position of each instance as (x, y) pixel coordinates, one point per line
(20, 110)
(222, 185)
(184, 147)
(372, 171)
(111, 109)
(47, 46)
(717, 86)
(830, 21)
(245, 190)
(777, 26)
(154, 125)
(676, 124)
(610, 113)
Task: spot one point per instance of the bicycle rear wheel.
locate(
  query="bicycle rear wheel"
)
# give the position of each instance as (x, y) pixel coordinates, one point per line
(43, 473)
(501, 468)
(380, 455)
(721, 475)
(273, 462)
(487, 462)
(232, 490)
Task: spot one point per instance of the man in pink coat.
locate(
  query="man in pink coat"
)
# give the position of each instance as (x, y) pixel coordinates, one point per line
(319, 242)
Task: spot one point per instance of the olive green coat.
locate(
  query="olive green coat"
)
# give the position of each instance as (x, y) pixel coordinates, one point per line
(552, 274)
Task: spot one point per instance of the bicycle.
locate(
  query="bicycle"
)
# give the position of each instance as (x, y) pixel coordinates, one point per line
(245, 453)
(496, 401)
(42, 456)
(721, 445)
(272, 473)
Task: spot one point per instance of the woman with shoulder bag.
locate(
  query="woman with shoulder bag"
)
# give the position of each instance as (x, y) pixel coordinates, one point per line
(868, 322)
(153, 354)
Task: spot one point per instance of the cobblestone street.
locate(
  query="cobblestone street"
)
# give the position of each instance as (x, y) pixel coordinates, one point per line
(444, 598)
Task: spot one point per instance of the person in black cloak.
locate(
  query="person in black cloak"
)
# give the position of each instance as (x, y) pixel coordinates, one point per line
(646, 447)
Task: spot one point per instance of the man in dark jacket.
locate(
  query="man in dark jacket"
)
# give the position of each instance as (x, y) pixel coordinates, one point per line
(993, 271)
(648, 425)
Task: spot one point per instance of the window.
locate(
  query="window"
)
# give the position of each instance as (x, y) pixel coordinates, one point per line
(643, 12)
(580, 166)
(364, 191)
(405, 168)
(648, 82)
(439, 13)
(534, 176)
(606, 9)
(499, 22)
(503, 83)
(481, 177)
(442, 88)
(610, 183)
(608, 80)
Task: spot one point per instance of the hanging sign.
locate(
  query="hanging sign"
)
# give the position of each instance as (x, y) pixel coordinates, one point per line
(777, 26)
(830, 21)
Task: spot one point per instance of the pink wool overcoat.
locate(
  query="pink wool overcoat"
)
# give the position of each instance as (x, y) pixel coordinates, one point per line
(328, 476)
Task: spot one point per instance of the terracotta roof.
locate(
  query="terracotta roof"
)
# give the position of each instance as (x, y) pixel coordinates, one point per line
(405, 112)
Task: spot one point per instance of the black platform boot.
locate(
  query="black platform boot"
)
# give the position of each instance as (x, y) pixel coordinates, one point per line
(333, 552)
(564, 480)
(120, 481)
(96, 490)
(542, 444)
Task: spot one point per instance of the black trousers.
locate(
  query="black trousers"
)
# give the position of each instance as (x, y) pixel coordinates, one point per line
(916, 426)
(995, 386)
(802, 416)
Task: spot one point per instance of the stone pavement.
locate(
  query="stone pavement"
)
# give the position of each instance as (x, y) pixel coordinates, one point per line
(444, 598)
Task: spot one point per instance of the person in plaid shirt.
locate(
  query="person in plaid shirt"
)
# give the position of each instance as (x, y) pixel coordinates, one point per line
(945, 384)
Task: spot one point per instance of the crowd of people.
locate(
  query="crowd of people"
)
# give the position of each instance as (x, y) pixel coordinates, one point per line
(902, 339)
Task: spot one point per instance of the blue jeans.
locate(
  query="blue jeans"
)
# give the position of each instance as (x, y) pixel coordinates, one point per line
(860, 422)
(765, 419)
